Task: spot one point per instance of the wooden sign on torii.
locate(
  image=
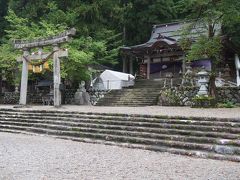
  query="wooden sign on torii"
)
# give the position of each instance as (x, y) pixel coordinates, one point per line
(57, 53)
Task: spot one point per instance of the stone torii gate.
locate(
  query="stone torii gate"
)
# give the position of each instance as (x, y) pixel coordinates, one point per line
(57, 53)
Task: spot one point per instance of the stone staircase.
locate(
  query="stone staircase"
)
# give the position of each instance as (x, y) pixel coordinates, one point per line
(202, 137)
(144, 93)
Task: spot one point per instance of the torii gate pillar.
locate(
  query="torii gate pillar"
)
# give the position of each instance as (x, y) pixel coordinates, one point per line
(24, 79)
(54, 41)
(57, 76)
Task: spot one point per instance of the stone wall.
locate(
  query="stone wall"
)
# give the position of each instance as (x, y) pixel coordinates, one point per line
(10, 98)
(167, 97)
(69, 96)
(225, 94)
(36, 98)
(177, 96)
(183, 96)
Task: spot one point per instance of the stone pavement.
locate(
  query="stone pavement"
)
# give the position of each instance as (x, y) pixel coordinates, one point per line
(148, 110)
(25, 157)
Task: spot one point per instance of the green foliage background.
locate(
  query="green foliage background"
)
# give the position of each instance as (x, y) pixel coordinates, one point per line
(104, 26)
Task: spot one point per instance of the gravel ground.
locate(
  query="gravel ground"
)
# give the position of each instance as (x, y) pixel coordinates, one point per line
(148, 110)
(25, 157)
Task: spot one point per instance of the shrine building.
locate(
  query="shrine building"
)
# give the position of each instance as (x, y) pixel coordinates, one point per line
(162, 56)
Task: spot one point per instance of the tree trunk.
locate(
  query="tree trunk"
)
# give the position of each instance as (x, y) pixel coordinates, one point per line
(212, 86)
(212, 78)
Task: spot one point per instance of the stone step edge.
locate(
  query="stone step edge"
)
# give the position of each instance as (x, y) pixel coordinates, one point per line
(134, 140)
(191, 153)
(120, 120)
(124, 132)
(124, 105)
(169, 125)
(132, 102)
(119, 114)
(161, 131)
(129, 100)
(219, 129)
(204, 128)
(132, 94)
(128, 103)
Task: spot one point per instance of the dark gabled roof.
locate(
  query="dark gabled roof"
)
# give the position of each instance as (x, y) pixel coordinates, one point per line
(158, 37)
(167, 30)
(151, 44)
(166, 35)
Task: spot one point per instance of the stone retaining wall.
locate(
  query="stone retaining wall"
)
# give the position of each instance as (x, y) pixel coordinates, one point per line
(34, 98)
(225, 94)
(183, 96)
(167, 97)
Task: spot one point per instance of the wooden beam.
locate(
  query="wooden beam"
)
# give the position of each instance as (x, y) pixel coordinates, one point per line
(169, 54)
(148, 67)
(131, 65)
(61, 53)
(124, 64)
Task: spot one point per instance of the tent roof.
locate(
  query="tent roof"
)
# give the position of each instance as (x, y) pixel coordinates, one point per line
(118, 75)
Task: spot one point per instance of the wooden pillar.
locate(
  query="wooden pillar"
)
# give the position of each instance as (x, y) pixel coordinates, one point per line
(124, 64)
(56, 76)
(131, 65)
(24, 79)
(148, 67)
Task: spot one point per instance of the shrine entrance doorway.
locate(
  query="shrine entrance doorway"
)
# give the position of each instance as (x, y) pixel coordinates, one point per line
(38, 59)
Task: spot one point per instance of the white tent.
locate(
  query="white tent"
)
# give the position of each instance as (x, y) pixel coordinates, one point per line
(113, 80)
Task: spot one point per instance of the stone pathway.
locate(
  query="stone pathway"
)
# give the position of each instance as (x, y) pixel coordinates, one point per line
(25, 157)
(148, 110)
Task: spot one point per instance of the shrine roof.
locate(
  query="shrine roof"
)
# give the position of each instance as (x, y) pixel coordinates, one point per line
(167, 34)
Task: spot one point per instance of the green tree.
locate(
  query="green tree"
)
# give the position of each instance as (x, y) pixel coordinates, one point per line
(3, 22)
(212, 16)
(96, 25)
(140, 15)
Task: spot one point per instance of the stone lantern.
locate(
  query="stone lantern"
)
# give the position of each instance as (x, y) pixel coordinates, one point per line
(82, 97)
(203, 83)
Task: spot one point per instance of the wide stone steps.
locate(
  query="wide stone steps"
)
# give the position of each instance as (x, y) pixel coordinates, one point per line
(120, 132)
(136, 100)
(119, 137)
(152, 128)
(120, 119)
(139, 146)
(130, 127)
(107, 102)
(131, 104)
(134, 97)
(131, 97)
(207, 137)
(137, 95)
